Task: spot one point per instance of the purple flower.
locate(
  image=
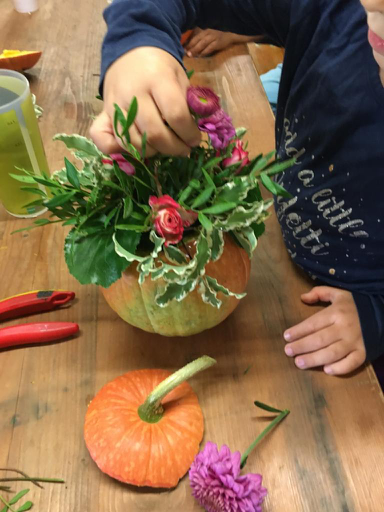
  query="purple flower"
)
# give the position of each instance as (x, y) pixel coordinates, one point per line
(202, 101)
(217, 485)
(219, 128)
(121, 162)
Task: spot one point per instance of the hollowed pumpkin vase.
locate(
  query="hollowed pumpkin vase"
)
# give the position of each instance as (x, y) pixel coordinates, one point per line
(136, 303)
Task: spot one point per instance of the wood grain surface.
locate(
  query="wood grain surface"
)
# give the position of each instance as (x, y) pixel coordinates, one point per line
(327, 456)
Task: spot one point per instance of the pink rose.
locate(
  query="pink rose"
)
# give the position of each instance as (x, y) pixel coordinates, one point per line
(121, 162)
(170, 218)
(238, 155)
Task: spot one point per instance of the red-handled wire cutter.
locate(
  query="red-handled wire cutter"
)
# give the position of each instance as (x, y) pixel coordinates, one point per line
(29, 303)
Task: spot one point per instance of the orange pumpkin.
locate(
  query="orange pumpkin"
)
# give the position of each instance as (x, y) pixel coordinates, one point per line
(136, 304)
(18, 60)
(145, 436)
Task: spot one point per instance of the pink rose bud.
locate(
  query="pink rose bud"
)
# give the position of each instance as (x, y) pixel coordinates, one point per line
(238, 155)
(121, 162)
(202, 101)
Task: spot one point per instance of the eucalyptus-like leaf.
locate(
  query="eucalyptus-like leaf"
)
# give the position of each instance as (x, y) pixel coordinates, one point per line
(27, 506)
(218, 208)
(205, 222)
(23, 178)
(18, 496)
(203, 197)
(60, 199)
(32, 190)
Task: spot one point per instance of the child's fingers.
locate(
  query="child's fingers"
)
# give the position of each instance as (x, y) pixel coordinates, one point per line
(174, 109)
(159, 135)
(314, 323)
(313, 342)
(328, 355)
(319, 293)
(103, 136)
(347, 364)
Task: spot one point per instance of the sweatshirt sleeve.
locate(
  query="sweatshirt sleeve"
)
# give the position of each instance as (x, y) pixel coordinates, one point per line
(160, 23)
(371, 314)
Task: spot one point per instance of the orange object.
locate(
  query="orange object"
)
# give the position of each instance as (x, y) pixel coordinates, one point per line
(18, 60)
(186, 36)
(136, 304)
(145, 436)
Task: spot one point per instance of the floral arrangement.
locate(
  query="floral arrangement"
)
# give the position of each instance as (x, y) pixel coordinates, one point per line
(130, 209)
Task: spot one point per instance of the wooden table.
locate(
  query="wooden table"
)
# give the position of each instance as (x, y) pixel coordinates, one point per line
(326, 456)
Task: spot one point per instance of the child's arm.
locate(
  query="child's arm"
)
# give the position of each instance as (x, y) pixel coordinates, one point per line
(334, 337)
(142, 57)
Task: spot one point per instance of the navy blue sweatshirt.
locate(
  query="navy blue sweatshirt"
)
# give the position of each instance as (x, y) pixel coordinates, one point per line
(330, 116)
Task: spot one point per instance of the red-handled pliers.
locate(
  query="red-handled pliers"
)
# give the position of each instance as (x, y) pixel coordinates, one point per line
(29, 303)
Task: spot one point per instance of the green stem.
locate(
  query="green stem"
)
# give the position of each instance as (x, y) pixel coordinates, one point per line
(34, 479)
(266, 431)
(151, 410)
(7, 504)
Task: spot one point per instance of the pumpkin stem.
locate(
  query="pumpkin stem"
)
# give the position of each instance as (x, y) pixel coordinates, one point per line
(151, 410)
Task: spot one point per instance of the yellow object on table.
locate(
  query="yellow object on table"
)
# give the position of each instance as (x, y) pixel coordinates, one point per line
(18, 60)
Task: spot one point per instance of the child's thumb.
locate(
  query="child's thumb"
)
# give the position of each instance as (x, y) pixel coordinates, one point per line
(102, 134)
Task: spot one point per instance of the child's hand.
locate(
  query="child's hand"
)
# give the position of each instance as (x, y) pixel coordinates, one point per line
(159, 83)
(332, 337)
(206, 42)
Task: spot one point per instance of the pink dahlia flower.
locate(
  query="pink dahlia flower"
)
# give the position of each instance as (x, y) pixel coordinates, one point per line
(218, 486)
(202, 101)
(219, 128)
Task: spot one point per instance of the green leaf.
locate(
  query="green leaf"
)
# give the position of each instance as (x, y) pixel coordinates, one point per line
(208, 295)
(220, 208)
(219, 288)
(36, 191)
(79, 143)
(132, 227)
(174, 255)
(128, 207)
(279, 166)
(110, 216)
(262, 162)
(47, 183)
(258, 229)
(236, 190)
(27, 506)
(208, 179)
(119, 117)
(60, 199)
(185, 194)
(111, 184)
(92, 258)
(22, 178)
(216, 242)
(132, 112)
(205, 222)
(273, 186)
(42, 222)
(70, 222)
(158, 243)
(203, 197)
(213, 162)
(190, 74)
(18, 496)
(127, 254)
(266, 407)
(175, 291)
(242, 217)
(72, 174)
(247, 239)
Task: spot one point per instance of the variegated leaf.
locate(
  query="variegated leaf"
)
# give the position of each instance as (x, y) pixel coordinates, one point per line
(214, 285)
(208, 295)
(175, 291)
(216, 244)
(174, 255)
(247, 239)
